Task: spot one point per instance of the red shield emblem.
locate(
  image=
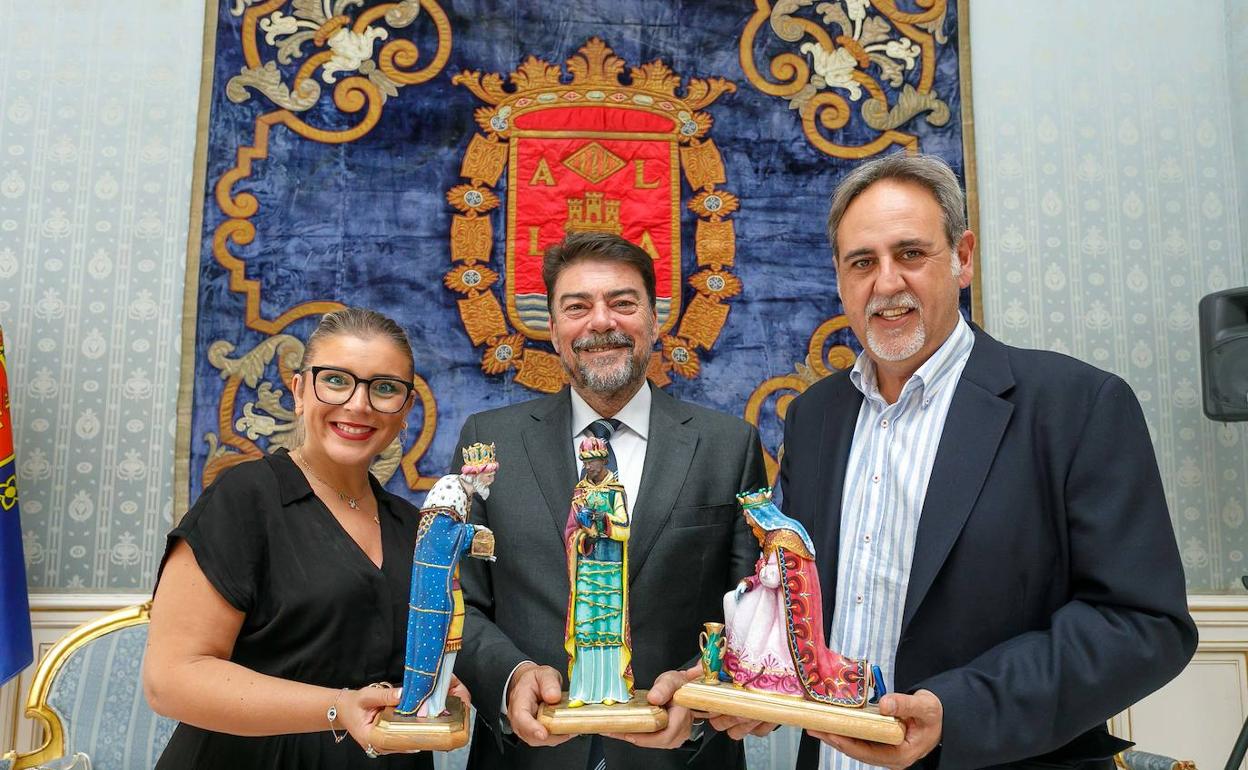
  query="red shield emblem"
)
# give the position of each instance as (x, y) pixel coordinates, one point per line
(571, 169)
(594, 151)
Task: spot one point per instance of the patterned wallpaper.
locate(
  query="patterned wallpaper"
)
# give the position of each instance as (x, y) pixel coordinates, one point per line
(1237, 51)
(97, 133)
(1108, 207)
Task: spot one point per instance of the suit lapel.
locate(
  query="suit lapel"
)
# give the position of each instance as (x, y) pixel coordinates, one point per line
(968, 445)
(839, 420)
(548, 447)
(669, 453)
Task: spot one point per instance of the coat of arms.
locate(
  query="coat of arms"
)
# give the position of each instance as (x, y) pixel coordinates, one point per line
(594, 152)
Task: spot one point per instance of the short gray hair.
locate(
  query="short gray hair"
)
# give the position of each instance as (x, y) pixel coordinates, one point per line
(927, 171)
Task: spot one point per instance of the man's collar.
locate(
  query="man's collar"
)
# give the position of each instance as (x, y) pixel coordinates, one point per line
(930, 374)
(635, 414)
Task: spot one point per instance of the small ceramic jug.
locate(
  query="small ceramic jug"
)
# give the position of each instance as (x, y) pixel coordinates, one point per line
(711, 642)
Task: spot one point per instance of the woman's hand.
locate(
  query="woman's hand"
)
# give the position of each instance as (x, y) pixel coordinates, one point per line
(358, 710)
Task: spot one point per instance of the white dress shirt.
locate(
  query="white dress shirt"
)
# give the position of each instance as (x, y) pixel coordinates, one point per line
(890, 462)
(628, 443)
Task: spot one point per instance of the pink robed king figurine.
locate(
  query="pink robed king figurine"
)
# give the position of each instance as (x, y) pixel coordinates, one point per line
(774, 619)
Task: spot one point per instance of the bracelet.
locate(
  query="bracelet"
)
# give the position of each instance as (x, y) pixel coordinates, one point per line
(332, 715)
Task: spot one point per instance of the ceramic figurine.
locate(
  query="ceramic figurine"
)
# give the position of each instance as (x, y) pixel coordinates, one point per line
(774, 619)
(424, 718)
(776, 665)
(596, 636)
(600, 697)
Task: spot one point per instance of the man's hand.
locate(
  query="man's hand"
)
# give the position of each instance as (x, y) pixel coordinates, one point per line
(739, 727)
(679, 718)
(922, 715)
(531, 686)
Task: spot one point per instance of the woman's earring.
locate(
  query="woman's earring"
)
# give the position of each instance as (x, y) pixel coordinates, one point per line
(404, 426)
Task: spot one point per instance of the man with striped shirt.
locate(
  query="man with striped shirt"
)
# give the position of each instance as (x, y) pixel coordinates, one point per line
(990, 522)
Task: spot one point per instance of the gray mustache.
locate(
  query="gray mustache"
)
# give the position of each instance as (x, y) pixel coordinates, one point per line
(616, 337)
(901, 299)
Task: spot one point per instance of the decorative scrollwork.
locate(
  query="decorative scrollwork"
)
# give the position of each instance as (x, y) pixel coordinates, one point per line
(338, 39)
(823, 356)
(846, 56)
(339, 44)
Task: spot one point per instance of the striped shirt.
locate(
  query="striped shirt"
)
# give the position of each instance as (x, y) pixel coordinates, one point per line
(890, 462)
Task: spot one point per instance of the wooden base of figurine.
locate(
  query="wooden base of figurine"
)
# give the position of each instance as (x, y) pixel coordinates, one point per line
(721, 698)
(394, 732)
(635, 716)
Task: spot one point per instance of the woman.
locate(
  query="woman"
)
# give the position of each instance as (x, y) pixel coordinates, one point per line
(774, 619)
(283, 591)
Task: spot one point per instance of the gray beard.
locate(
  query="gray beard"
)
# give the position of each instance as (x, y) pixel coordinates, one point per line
(609, 382)
(482, 490)
(888, 348)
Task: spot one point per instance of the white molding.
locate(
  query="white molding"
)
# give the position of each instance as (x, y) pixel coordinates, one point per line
(82, 602)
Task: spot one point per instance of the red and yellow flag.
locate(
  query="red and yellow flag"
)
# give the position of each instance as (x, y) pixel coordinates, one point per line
(15, 644)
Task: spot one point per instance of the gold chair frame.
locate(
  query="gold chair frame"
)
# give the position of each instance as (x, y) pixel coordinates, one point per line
(37, 707)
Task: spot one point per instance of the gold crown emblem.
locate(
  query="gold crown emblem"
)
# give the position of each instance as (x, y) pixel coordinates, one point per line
(479, 454)
(593, 213)
(594, 448)
(755, 499)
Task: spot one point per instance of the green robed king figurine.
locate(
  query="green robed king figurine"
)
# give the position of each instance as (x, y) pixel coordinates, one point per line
(600, 697)
(768, 660)
(427, 717)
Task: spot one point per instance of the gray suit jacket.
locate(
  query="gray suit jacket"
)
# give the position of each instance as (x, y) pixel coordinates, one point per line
(689, 545)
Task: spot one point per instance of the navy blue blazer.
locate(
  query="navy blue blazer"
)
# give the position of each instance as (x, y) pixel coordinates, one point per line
(1046, 592)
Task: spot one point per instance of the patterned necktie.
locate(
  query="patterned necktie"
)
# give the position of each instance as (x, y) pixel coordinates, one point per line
(604, 429)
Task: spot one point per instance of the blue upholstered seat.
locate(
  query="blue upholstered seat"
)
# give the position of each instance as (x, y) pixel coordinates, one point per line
(88, 693)
(98, 694)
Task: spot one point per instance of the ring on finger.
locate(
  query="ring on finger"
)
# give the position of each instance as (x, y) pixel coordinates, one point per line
(370, 752)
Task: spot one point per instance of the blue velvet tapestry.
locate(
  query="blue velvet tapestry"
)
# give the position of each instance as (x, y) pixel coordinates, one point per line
(416, 157)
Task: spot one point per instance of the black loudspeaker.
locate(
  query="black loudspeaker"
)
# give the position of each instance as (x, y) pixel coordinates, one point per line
(1224, 354)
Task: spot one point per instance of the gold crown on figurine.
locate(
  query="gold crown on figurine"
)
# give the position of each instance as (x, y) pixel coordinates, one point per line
(479, 458)
(754, 499)
(594, 449)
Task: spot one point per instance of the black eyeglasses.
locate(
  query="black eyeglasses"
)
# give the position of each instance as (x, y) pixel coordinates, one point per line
(337, 386)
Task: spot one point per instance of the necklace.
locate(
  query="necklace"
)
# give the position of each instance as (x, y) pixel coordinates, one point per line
(352, 502)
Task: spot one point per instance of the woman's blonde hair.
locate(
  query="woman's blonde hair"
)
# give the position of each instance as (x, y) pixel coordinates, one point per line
(357, 322)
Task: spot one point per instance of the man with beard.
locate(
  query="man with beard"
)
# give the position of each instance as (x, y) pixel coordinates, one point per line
(681, 467)
(990, 521)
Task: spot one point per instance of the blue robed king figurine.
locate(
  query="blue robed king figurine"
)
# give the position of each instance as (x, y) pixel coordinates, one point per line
(435, 621)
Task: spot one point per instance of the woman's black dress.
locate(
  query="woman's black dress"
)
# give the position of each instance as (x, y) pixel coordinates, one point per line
(317, 609)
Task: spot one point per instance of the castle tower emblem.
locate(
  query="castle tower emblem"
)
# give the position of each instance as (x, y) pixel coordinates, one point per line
(593, 213)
